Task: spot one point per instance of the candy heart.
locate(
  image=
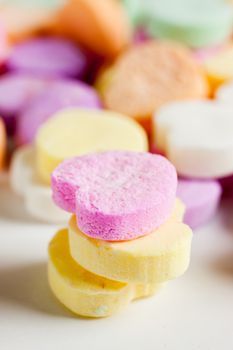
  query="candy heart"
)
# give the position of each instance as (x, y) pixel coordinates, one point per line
(196, 136)
(116, 195)
(227, 186)
(56, 96)
(83, 292)
(48, 57)
(69, 133)
(16, 91)
(76, 132)
(37, 196)
(162, 255)
(219, 68)
(101, 26)
(201, 199)
(196, 23)
(144, 78)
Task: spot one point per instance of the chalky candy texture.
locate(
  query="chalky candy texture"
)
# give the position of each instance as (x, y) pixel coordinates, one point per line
(16, 90)
(51, 57)
(59, 95)
(116, 195)
(83, 292)
(162, 255)
(201, 199)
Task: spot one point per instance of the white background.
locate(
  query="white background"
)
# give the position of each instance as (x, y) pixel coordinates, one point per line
(194, 312)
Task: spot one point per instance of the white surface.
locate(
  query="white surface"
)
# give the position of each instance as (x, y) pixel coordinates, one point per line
(193, 313)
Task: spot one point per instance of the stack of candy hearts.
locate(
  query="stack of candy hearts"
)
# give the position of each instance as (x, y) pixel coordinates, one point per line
(125, 237)
(68, 133)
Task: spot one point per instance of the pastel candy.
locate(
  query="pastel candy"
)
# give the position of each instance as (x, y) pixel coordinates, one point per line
(16, 90)
(23, 20)
(196, 136)
(83, 292)
(145, 77)
(220, 67)
(79, 131)
(51, 57)
(135, 10)
(196, 23)
(2, 143)
(201, 199)
(57, 96)
(162, 255)
(116, 195)
(101, 26)
(37, 196)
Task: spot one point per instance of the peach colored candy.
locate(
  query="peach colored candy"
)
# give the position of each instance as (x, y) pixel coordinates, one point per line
(100, 25)
(148, 76)
(2, 143)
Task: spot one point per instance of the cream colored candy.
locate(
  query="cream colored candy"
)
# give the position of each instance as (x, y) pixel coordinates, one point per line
(76, 132)
(83, 292)
(71, 132)
(196, 137)
(219, 68)
(160, 256)
(37, 196)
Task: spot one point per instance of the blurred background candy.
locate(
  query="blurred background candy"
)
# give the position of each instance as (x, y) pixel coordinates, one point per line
(48, 57)
(149, 75)
(57, 95)
(101, 26)
(201, 200)
(16, 90)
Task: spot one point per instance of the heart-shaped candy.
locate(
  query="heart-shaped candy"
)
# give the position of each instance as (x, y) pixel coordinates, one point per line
(196, 136)
(116, 195)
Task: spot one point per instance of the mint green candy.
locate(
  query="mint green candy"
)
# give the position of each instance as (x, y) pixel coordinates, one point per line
(196, 23)
(135, 10)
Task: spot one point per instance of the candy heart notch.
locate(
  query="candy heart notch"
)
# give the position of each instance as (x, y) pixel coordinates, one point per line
(116, 195)
(196, 136)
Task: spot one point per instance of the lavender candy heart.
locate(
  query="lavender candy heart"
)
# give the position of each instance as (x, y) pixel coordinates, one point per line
(49, 57)
(16, 90)
(201, 198)
(57, 96)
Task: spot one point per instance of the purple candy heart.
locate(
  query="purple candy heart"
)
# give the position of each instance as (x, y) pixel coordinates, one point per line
(16, 90)
(49, 57)
(58, 95)
(201, 198)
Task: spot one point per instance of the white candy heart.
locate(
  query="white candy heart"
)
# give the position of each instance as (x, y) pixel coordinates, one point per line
(37, 196)
(197, 137)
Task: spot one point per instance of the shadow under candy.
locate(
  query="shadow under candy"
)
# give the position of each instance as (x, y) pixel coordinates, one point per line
(27, 286)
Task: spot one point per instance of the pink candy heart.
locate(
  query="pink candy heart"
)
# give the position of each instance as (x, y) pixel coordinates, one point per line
(116, 195)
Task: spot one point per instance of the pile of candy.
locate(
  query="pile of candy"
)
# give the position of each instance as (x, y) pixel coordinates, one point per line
(89, 88)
